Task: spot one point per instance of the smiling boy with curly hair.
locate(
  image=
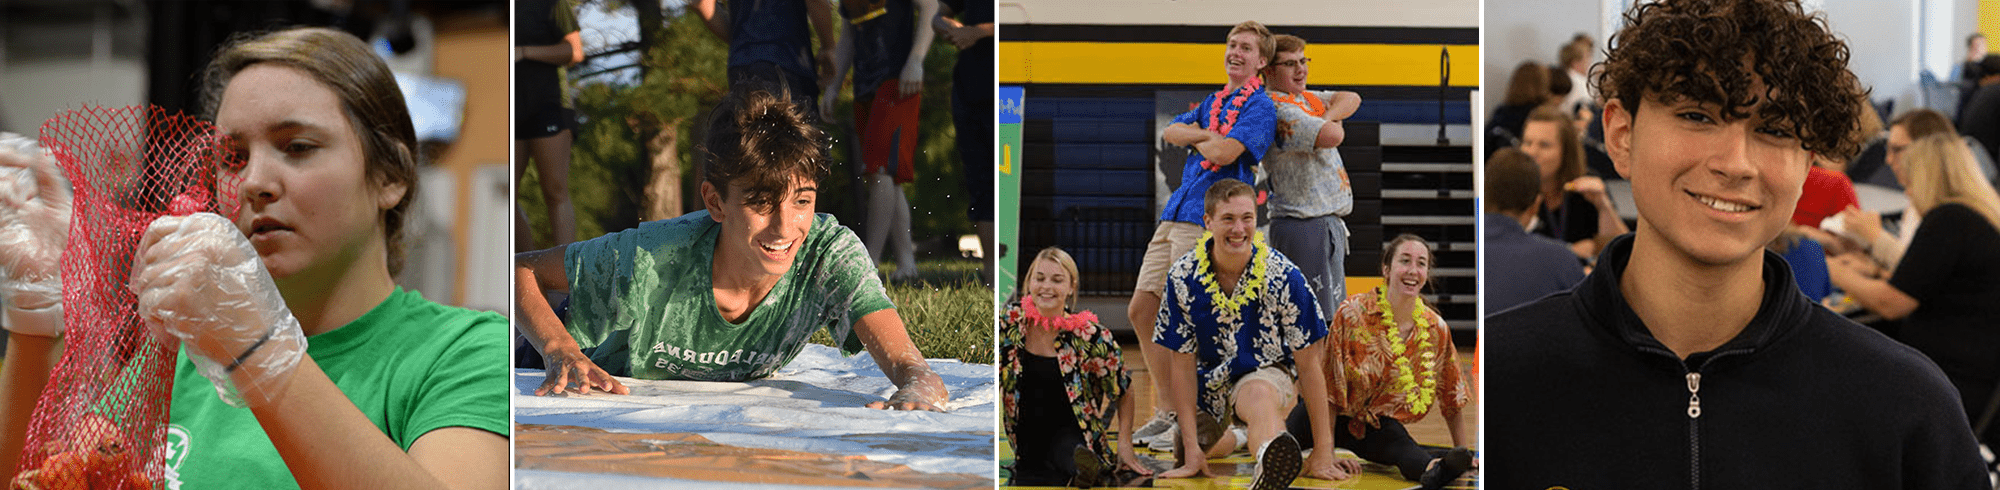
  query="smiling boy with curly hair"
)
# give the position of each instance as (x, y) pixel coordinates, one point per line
(1688, 357)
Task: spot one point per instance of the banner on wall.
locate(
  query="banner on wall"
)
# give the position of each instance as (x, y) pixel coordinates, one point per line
(1008, 194)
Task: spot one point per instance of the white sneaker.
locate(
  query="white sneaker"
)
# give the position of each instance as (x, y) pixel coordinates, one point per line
(1161, 422)
(1162, 442)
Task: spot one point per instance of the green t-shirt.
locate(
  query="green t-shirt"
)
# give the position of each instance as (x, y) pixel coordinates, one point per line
(643, 304)
(411, 365)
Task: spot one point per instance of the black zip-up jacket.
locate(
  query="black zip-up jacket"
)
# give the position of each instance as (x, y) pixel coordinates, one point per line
(1581, 395)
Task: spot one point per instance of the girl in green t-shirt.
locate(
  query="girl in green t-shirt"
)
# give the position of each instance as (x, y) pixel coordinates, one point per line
(325, 166)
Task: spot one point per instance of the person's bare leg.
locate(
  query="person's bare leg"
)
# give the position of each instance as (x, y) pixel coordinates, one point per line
(551, 157)
(1258, 405)
(899, 234)
(881, 214)
(1142, 311)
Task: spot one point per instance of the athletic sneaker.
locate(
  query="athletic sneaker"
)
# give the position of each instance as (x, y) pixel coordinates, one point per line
(1278, 462)
(1453, 465)
(1162, 422)
(1164, 442)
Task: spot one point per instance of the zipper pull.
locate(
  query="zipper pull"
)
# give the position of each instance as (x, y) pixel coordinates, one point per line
(1694, 396)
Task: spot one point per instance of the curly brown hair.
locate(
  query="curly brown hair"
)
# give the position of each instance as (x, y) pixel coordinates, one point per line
(761, 141)
(1711, 50)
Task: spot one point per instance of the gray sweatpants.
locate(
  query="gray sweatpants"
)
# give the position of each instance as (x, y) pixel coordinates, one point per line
(1319, 247)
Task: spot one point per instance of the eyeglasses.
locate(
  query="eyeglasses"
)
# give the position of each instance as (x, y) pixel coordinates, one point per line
(1293, 63)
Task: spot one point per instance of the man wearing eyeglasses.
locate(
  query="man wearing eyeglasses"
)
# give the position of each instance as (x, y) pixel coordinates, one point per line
(1309, 187)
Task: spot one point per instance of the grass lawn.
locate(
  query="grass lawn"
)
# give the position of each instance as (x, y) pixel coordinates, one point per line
(948, 312)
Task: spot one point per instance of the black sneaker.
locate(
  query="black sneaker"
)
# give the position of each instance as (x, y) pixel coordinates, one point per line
(1448, 468)
(1089, 468)
(1277, 464)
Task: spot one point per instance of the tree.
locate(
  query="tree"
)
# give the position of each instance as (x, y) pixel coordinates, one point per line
(640, 123)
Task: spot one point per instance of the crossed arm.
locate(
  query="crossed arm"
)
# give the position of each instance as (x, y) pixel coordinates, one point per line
(1339, 107)
(1216, 148)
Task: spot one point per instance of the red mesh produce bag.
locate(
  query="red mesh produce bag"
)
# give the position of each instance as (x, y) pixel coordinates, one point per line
(101, 422)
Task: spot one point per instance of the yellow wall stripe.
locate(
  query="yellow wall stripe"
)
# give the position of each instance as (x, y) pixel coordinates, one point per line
(1358, 284)
(1201, 64)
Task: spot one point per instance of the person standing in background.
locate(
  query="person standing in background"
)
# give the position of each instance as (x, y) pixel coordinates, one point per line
(972, 112)
(884, 46)
(770, 44)
(546, 39)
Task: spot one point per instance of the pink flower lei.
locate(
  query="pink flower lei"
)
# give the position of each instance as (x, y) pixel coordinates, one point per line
(1221, 124)
(1076, 323)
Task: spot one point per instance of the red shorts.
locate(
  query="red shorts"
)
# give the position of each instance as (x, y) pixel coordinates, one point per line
(888, 124)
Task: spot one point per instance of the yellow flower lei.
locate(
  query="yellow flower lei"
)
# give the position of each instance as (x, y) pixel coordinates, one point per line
(1206, 273)
(1420, 396)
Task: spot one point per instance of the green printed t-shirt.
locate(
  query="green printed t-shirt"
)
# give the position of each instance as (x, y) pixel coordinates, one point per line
(411, 365)
(642, 301)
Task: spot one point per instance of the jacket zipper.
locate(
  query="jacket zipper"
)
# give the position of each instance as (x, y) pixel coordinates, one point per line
(1693, 376)
(1694, 429)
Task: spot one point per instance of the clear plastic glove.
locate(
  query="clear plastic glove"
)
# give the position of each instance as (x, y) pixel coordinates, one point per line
(34, 224)
(199, 281)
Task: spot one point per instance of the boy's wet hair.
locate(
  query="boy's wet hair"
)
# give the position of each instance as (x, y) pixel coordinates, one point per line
(1709, 51)
(760, 140)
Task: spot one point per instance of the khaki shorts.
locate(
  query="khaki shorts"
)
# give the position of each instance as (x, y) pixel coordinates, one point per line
(1171, 240)
(1281, 382)
(1208, 430)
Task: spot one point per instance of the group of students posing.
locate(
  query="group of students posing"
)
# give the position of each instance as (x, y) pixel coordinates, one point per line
(1239, 330)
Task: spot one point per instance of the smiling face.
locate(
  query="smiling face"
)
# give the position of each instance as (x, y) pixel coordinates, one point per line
(1710, 190)
(1234, 223)
(1243, 59)
(1050, 286)
(1288, 73)
(309, 206)
(768, 236)
(1409, 268)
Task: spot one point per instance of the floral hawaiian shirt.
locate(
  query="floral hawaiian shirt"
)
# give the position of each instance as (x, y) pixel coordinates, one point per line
(1362, 370)
(1093, 375)
(1274, 318)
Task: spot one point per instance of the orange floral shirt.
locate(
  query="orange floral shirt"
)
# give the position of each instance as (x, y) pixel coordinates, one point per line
(1361, 370)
